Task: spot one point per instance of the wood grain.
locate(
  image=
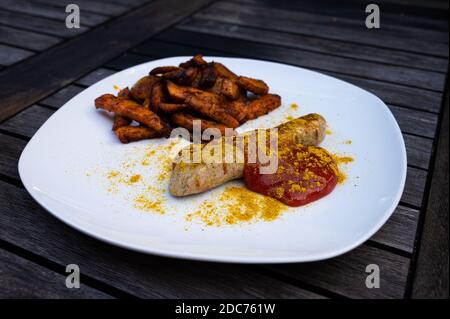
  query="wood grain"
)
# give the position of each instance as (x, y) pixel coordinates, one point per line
(305, 42)
(317, 26)
(66, 62)
(27, 225)
(45, 11)
(10, 55)
(431, 273)
(23, 279)
(345, 275)
(317, 61)
(26, 39)
(38, 24)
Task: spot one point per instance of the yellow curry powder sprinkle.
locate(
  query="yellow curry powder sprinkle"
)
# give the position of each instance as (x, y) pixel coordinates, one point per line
(116, 87)
(148, 195)
(328, 132)
(135, 178)
(237, 205)
(294, 106)
(147, 204)
(348, 142)
(289, 118)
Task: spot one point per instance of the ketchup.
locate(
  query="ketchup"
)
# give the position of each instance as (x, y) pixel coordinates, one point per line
(304, 174)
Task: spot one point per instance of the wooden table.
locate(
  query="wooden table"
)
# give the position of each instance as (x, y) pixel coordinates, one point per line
(405, 63)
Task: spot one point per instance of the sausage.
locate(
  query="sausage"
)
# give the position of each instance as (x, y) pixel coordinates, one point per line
(193, 178)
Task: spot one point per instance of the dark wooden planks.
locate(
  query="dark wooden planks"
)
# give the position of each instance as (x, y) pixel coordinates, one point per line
(415, 122)
(406, 17)
(10, 55)
(9, 156)
(397, 94)
(38, 24)
(26, 123)
(127, 60)
(30, 227)
(317, 26)
(418, 150)
(414, 187)
(20, 278)
(400, 230)
(345, 275)
(303, 42)
(104, 8)
(117, 36)
(62, 96)
(431, 273)
(42, 10)
(94, 76)
(319, 61)
(26, 39)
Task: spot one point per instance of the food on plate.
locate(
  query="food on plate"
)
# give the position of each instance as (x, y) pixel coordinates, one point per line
(192, 178)
(304, 174)
(253, 85)
(187, 121)
(133, 111)
(128, 133)
(172, 96)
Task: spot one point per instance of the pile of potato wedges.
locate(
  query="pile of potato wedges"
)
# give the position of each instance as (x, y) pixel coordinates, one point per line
(175, 96)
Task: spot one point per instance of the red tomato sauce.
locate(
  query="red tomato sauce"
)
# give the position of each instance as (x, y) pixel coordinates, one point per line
(304, 174)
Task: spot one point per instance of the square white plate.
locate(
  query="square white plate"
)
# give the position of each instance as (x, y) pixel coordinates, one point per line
(67, 167)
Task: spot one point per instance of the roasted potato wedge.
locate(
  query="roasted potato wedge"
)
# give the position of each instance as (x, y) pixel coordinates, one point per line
(255, 86)
(133, 111)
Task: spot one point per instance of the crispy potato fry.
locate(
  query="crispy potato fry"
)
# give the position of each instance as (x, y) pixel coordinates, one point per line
(206, 104)
(182, 76)
(238, 110)
(187, 121)
(229, 88)
(124, 93)
(263, 105)
(142, 89)
(168, 92)
(120, 121)
(172, 107)
(197, 60)
(133, 111)
(127, 134)
(156, 97)
(180, 93)
(253, 85)
(163, 70)
(223, 71)
(208, 76)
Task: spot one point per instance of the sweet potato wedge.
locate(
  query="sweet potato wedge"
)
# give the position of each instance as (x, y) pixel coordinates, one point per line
(180, 93)
(127, 134)
(258, 87)
(163, 70)
(142, 89)
(120, 121)
(197, 60)
(133, 111)
(172, 107)
(207, 104)
(222, 71)
(187, 121)
(263, 105)
(156, 97)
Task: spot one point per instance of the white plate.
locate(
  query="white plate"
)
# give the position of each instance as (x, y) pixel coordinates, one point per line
(65, 164)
